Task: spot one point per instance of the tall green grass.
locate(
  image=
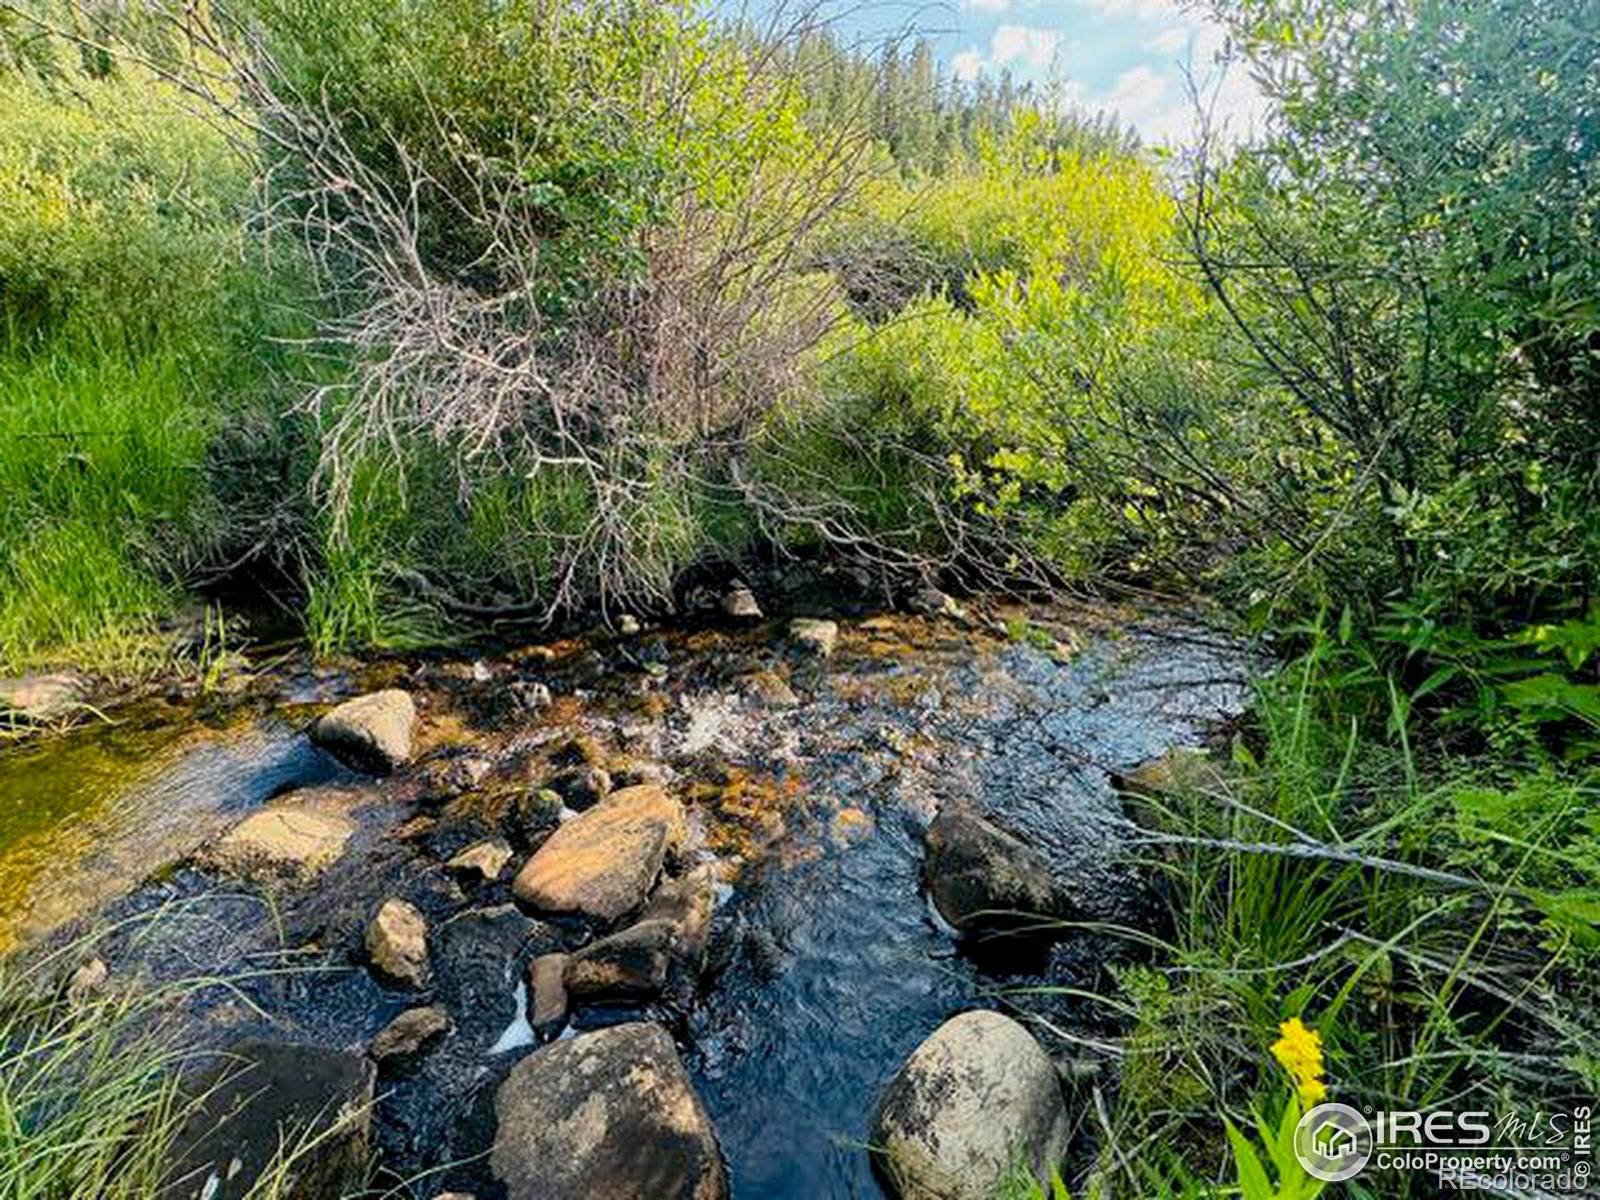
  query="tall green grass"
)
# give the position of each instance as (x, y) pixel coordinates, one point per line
(133, 326)
(1430, 914)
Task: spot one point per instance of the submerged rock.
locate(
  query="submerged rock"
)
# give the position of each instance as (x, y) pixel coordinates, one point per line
(268, 1099)
(972, 1097)
(769, 688)
(982, 878)
(814, 637)
(409, 1034)
(603, 862)
(611, 1114)
(285, 839)
(397, 942)
(371, 732)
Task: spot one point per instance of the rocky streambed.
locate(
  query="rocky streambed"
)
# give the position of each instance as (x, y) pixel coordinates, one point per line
(671, 912)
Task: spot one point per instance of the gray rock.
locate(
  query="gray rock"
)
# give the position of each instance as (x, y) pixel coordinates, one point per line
(982, 878)
(686, 904)
(628, 625)
(814, 637)
(372, 732)
(607, 1114)
(529, 695)
(266, 1096)
(977, 1093)
(397, 943)
(739, 602)
(409, 1034)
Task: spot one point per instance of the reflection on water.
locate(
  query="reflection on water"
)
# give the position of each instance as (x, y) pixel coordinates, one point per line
(84, 816)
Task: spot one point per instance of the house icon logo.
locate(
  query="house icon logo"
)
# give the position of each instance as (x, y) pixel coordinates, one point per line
(1333, 1142)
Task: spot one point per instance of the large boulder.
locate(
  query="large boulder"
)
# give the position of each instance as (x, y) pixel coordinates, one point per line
(610, 1113)
(603, 862)
(397, 943)
(266, 1102)
(983, 879)
(293, 839)
(968, 1101)
(371, 732)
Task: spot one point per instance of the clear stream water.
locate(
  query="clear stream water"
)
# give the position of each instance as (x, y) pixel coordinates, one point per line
(826, 969)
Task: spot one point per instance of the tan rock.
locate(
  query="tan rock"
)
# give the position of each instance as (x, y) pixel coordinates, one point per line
(282, 839)
(483, 860)
(547, 1004)
(41, 697)
(397, 943)
(603, 862)
(409, 1034)
(372, 732)
(814, 637)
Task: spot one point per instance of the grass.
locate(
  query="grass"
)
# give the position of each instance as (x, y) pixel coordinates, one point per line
(90, 1101)
(1428, 913)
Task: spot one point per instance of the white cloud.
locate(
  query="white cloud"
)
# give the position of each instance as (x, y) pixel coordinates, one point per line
(1138, 10)
(990, 6)
(1025, 43)
(967, 65)
(1171, 41)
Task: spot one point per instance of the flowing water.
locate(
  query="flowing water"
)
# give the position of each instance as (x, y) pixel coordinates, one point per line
(827, 966)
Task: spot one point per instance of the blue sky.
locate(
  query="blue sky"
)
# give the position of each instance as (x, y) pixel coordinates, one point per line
(1124, 56)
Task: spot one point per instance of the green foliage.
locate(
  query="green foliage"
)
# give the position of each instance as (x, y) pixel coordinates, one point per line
(128, 320)
(1440, 925)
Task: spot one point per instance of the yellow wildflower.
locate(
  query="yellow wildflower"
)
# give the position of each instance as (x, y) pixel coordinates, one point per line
(1300, 1052)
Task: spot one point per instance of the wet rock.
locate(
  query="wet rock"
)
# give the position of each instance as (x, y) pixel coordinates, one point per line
(397, 943)
(536, 812)
(814, 637)
(769, 688)
(610, 1113)
(547, 1010)
(285, 839)
(484, 861)
(977, 1093)
(479, 957)
(739, 602)
(410, 1033)
(627, 966)
(668, 941)
(266, 1096)
(603, 863)
(372, 732)
(982, 878)
(582, 787)
(41, 698)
